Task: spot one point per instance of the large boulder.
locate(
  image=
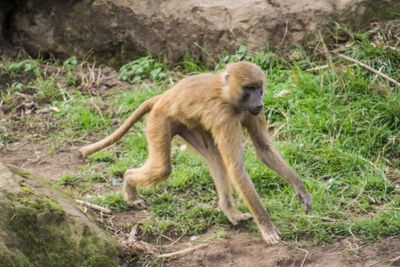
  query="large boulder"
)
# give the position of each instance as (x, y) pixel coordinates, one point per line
(6, 8)
(41, 227)
(115, 31)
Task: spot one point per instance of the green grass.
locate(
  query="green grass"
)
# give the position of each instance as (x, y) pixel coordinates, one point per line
(112, 200)
(339, 127)
(69, 180)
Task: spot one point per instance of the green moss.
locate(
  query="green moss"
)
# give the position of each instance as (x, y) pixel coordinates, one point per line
(22, 200)
(99, 261)
(46, 239)
(27, 190)
(53, 205)
(19, 171)
(40, 233)
(37, 204)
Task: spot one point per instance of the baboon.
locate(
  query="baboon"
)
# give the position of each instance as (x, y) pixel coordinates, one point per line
(209, 111)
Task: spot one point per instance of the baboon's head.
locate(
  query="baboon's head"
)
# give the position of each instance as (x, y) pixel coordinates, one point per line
(245, 85)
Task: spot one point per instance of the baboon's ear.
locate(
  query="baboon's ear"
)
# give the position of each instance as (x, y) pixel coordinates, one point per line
(225, 76)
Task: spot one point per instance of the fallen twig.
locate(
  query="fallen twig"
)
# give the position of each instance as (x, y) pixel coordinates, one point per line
(359, 194)
(379, 261)
(395, 236)
(305, 256)
(93, 206)
(322, 218)
(301, 249)
(179, 252)
(352, 232)
(132, 244)
(318, 68)
(394, 259)
(370, 69)
(175, 241)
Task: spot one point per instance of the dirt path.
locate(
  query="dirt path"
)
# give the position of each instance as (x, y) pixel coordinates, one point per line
(241, 249)
(41, 161)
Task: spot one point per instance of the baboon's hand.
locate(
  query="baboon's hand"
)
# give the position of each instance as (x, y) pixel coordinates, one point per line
(305, 197)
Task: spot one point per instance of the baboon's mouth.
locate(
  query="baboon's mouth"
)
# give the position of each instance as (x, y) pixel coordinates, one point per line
(255, 111)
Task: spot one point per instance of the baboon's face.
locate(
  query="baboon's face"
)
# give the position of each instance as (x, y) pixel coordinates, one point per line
(251, 99)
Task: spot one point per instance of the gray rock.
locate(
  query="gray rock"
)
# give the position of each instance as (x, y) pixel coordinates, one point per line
(41, 227)
(116, 31)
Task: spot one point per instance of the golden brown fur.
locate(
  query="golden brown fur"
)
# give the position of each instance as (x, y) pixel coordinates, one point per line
(206, 111)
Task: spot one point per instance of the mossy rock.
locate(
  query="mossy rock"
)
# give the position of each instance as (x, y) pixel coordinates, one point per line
(41, 227)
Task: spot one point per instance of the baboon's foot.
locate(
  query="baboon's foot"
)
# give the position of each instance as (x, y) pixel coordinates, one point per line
(235, 216)
(132, 197)
(271, 236)
(139, 204)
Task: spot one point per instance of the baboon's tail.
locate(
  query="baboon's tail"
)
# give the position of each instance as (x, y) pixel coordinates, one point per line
(117, 134)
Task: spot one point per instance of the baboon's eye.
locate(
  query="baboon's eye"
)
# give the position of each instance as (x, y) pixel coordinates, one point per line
(252, 87)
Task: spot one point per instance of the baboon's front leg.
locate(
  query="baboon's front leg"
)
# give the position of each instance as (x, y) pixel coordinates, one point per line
(257, 128)
(203, 143)
(224, 189)
(228, 139)
(225, 198)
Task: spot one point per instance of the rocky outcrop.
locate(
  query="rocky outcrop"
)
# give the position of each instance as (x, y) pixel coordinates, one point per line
(116, 31)
(40, 227)
(6, 8)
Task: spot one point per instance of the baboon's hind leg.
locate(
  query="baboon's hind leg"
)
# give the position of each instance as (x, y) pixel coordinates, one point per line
(157, 166)
(204, 143)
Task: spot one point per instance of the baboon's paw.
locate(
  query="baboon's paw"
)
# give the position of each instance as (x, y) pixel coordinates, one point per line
(138, 204)
(271, 236)
(132, 197)
(135, 201)
(305, 197)
(236, 216)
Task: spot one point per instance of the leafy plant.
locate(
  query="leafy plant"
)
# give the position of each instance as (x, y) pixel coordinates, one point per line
(142, 68)
(27, 66)
(70, 63)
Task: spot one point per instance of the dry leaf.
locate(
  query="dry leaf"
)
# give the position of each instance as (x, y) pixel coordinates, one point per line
(56, 109)
(282, 93)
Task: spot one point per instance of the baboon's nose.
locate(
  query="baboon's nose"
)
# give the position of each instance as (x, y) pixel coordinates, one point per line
(255, 110)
